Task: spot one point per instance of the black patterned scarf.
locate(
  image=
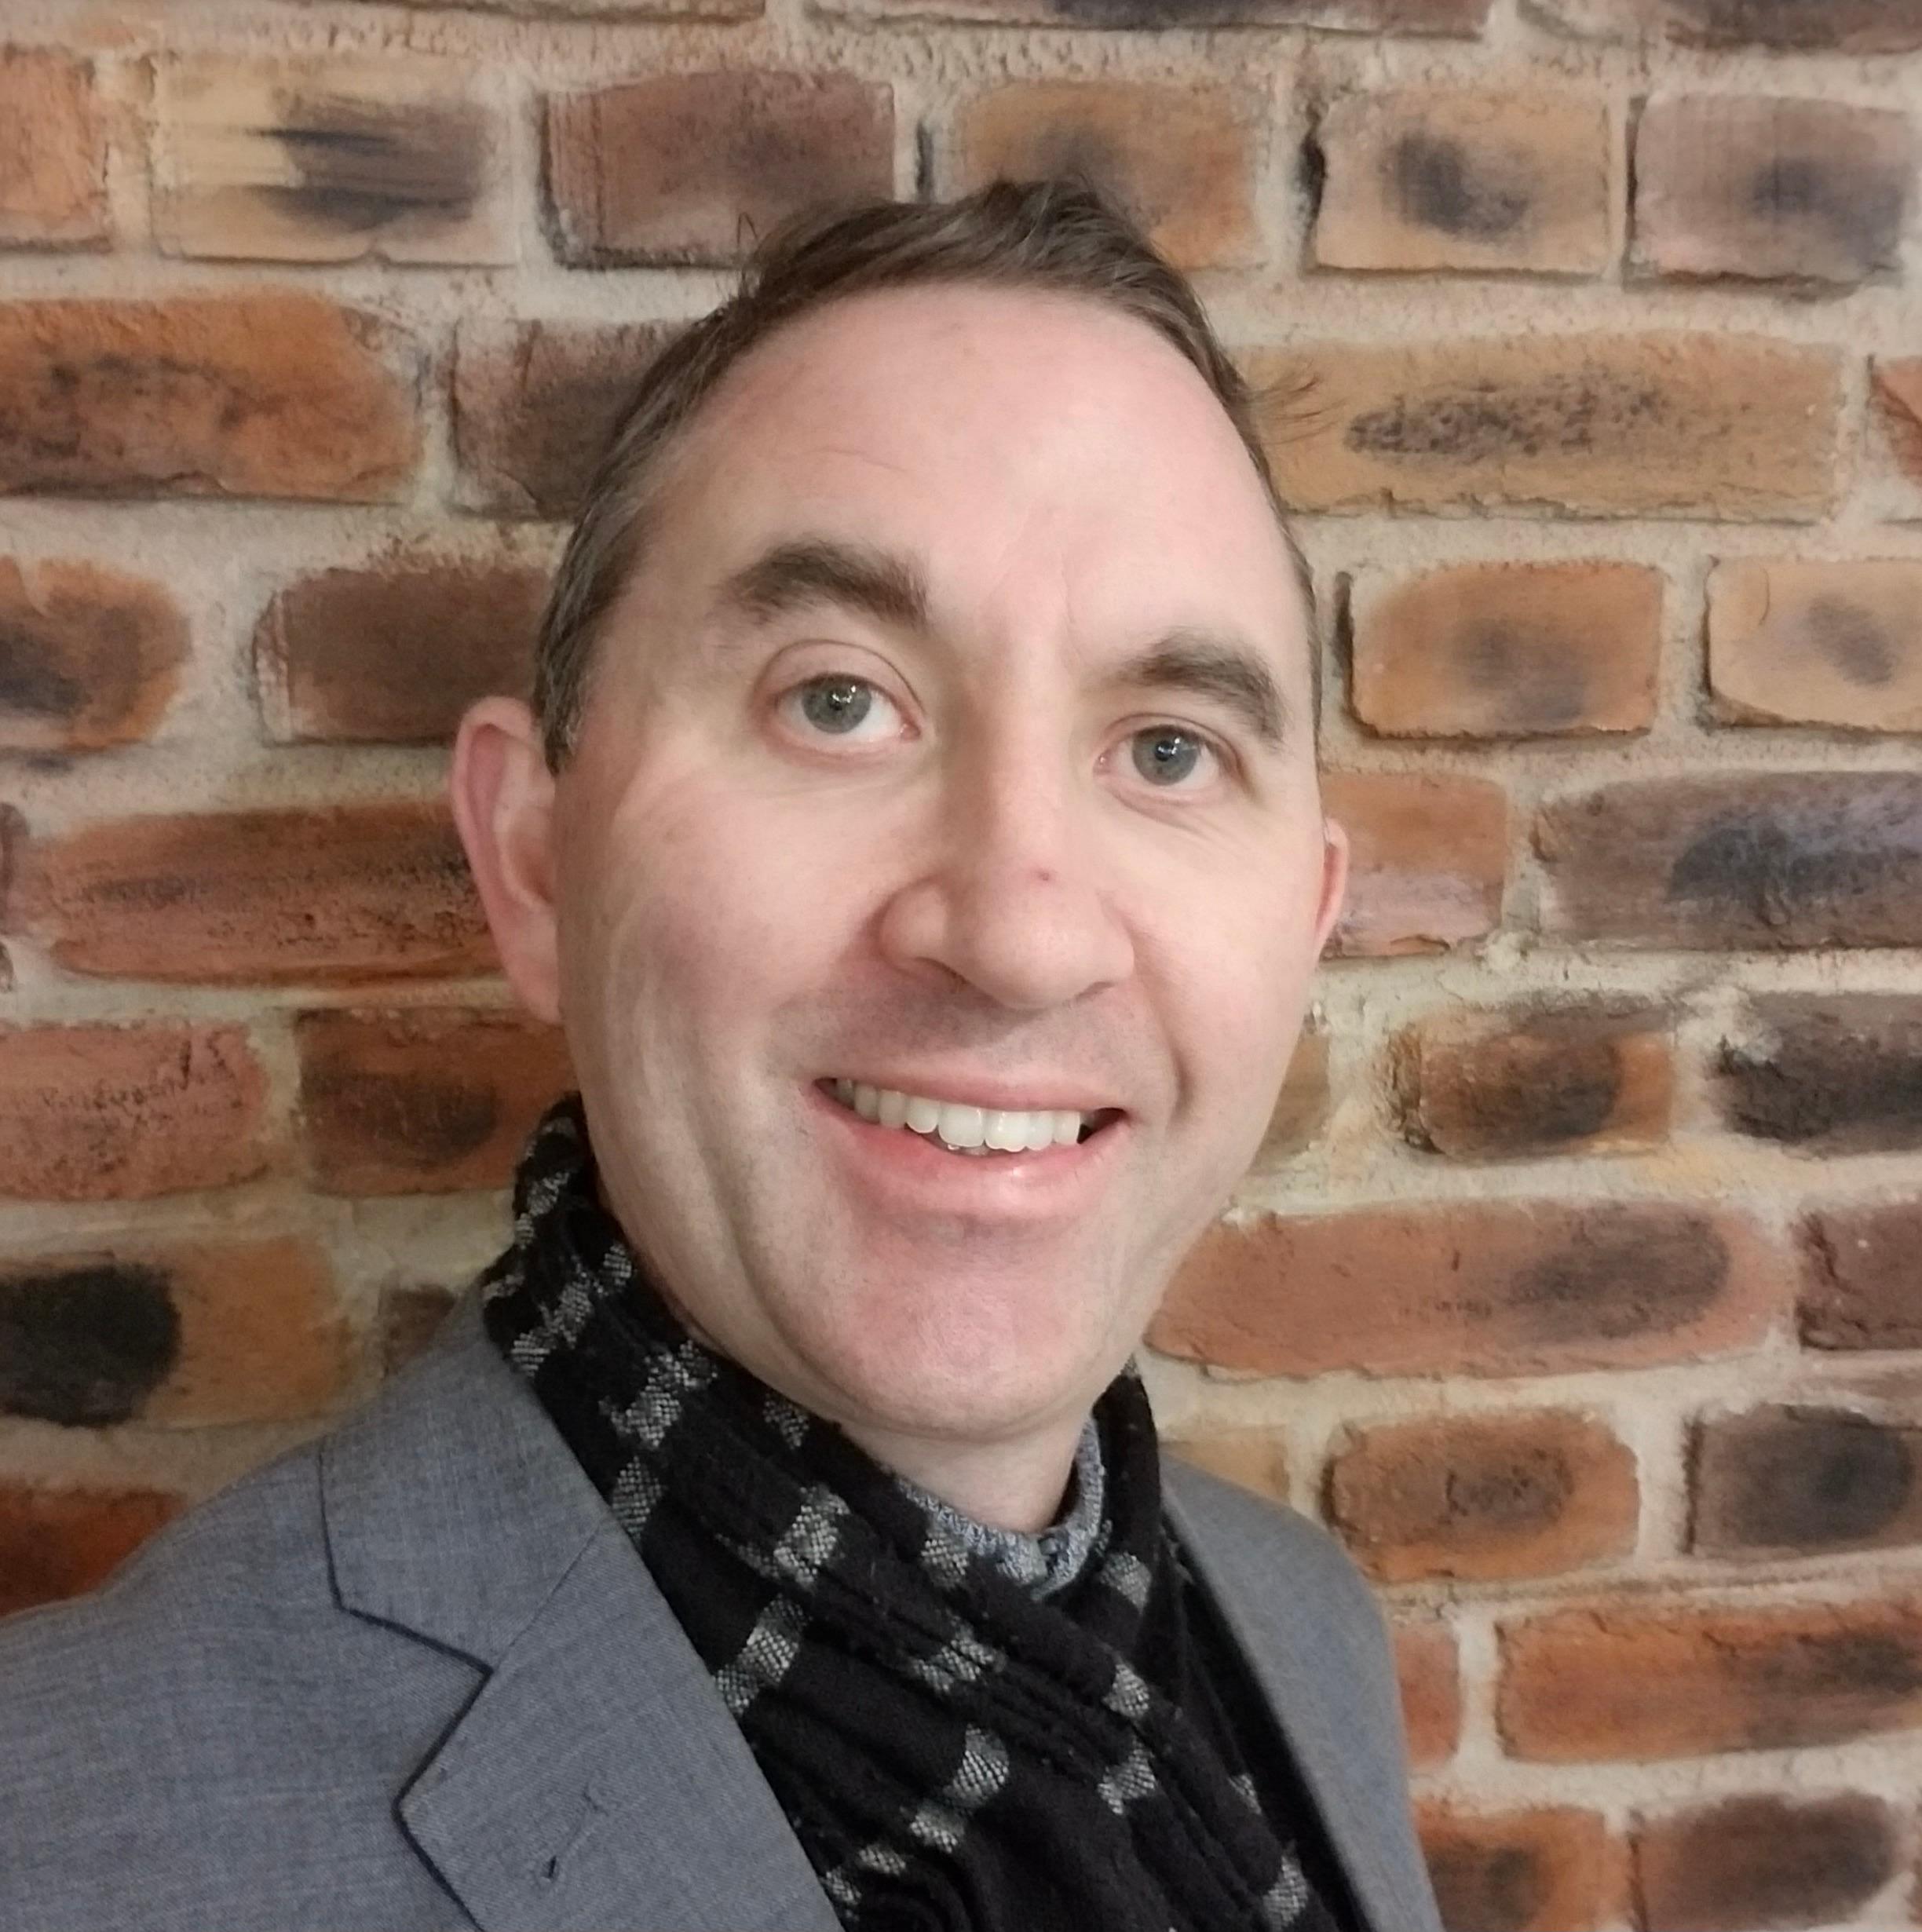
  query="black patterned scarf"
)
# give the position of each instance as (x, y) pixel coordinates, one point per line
(955, 1750)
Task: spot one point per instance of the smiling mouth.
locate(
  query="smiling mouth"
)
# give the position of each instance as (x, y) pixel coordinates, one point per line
(962, 1129)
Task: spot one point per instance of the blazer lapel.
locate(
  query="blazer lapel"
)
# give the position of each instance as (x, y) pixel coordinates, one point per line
(595, 1779)
(1313, 1639)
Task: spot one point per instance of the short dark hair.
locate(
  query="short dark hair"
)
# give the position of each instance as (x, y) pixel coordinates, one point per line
(1061, 234)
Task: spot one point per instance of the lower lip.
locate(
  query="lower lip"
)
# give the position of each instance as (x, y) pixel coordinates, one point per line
(912, 1170)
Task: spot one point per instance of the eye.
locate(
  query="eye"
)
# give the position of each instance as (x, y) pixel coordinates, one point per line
(838, 706)
(1167, 754)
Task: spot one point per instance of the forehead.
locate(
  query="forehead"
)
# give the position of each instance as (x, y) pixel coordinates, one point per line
(1022, 442)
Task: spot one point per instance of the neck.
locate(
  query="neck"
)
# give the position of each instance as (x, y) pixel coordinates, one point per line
(1019, 1486)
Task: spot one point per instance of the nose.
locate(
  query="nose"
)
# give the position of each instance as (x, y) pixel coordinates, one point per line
(1013, 900)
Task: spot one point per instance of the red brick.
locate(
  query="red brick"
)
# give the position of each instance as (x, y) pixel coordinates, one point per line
(1483, 1497)
(1509, 650)
(535, 403)
(1837, 644)
(1820, 26)
(1480, 1287)
(1302, 1107)
(420, 1100)
(1428, 860)
(1552, 1870)
(124, 1113)
(1769, 189)
(262, 395)
(1446, 178)
(192, 1335)
(1826, 1075)
(1731, 426)
(395, 652)
(53, 151)
(1428, 1674)
(409, 1317)
(1496, 1086)
(88, 657)
(1592, 1685)
(1791, 1479)
(1181, 160)
(349, 892)
(1766, 1860)
(1769, 861)
(1895, 394)
(693, 167)
(327, 158)
(1864, 1285)
(57, 1542)
(1394, 16)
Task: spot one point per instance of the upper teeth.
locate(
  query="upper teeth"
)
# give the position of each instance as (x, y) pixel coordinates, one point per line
(1007, 1131)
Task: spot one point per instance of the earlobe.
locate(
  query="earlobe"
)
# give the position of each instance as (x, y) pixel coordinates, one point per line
(503, 796)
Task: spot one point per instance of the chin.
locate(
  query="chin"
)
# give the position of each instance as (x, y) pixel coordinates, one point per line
(960, 1379)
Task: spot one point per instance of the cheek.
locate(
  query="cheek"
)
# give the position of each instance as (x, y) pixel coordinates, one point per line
(702, 900)
(1235, 953)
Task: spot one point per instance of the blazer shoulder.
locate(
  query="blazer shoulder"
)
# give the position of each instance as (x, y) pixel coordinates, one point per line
(1271, 1532)
(208, 1727)
(257, 1541)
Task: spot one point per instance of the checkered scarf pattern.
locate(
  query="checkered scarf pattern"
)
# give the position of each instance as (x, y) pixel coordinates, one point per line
(954, 1752)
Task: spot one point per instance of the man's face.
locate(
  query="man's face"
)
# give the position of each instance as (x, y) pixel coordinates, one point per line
(879, 783)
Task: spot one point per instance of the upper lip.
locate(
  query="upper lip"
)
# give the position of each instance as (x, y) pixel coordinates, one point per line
(1042, 1094)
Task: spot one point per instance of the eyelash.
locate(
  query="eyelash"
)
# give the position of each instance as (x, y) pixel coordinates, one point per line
(1223, 758)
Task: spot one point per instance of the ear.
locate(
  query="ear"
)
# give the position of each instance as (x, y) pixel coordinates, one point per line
(1335, 861)
(503, 798)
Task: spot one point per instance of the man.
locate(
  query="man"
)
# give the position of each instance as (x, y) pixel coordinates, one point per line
(916, 832)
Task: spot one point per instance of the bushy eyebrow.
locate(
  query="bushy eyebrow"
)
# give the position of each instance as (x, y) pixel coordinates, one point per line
(806, 570)
(1225, 670)
(801, 572)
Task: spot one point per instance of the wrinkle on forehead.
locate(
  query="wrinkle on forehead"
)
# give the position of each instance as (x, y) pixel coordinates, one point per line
(1089, 467)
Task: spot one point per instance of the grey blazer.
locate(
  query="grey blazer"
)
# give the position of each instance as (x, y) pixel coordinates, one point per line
(413, 1675)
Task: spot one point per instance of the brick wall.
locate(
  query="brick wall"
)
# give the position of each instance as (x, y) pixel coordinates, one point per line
(1577, 1285)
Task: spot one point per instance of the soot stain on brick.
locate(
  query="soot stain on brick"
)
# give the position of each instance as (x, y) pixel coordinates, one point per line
(1859, 208)
(1852, 640)
(1808, 1478)
(1545, 687)
(769, 157)
(1534, 1090)
(1576, 414)
(31, 683)
(1171, 13)
(1769, 864)
(416, 1120)
(1825, 1082)
(85, 1346)
(1756, 1859)
(1435, 183)
(1787, 1686)
(1496, 1889)
(126, 402)
(1630, 1274)
(1524, 1492)
(360, 168)
(1080, 154)
(1572, 1096)
(1771, 22)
